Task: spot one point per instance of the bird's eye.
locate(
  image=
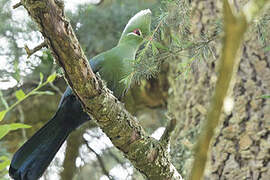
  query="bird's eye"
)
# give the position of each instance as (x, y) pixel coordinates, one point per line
(137, 31)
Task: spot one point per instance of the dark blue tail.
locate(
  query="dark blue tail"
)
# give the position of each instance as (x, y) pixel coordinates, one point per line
(32, 159)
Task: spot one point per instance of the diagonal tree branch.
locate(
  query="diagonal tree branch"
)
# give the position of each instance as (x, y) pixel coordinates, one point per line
(144, 152)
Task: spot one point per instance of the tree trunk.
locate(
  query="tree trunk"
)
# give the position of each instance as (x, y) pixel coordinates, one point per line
(240, 149)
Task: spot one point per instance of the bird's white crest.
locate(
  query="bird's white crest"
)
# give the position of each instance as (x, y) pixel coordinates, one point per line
(141, 20)
(137, 16)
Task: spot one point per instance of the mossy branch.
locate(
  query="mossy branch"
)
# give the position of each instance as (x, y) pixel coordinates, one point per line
(37, 48)
(17, 5)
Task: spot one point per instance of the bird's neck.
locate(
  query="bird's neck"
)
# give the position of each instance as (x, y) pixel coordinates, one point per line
(129, 48)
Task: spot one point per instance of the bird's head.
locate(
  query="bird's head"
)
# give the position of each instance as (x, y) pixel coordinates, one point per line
(137, 28)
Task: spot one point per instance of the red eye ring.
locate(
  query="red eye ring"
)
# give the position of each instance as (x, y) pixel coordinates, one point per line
(137, 31)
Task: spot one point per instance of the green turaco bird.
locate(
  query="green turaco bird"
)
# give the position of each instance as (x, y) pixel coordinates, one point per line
(32, 159)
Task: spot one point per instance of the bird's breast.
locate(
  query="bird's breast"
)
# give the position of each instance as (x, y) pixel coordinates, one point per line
(113, 74)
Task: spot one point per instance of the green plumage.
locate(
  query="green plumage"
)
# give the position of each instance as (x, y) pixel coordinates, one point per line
(116, 64)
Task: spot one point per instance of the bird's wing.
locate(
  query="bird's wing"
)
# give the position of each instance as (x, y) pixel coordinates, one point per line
(96, 64)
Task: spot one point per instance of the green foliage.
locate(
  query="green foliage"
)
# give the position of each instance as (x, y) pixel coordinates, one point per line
(4, 162)
(172, 38)
(51, 78)
(6, 128)
(265, 96)
(20, 95)
(260, 27)
(182, 43)
(2, 114)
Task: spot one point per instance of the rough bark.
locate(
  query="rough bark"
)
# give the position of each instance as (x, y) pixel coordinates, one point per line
(242, 144)
(145, 153)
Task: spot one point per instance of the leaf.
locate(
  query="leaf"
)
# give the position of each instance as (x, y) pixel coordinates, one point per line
(127, 80)
(6, 128)
(20, 94)
(187, 44)
(2, 114)
(160, 46)
(176, 40)
(51, 78)
(162, 35)
(265, 96)
(154, 49)
(4, 162)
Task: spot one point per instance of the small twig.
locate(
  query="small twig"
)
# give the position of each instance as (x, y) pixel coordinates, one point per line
(56, 89)
(99, 3)
(101, 163)
(60, 3)
(32, 51)
(181, 49)
(150, 39)
(165, 138)
(22, 118)
(17, 5)
(3, 100)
